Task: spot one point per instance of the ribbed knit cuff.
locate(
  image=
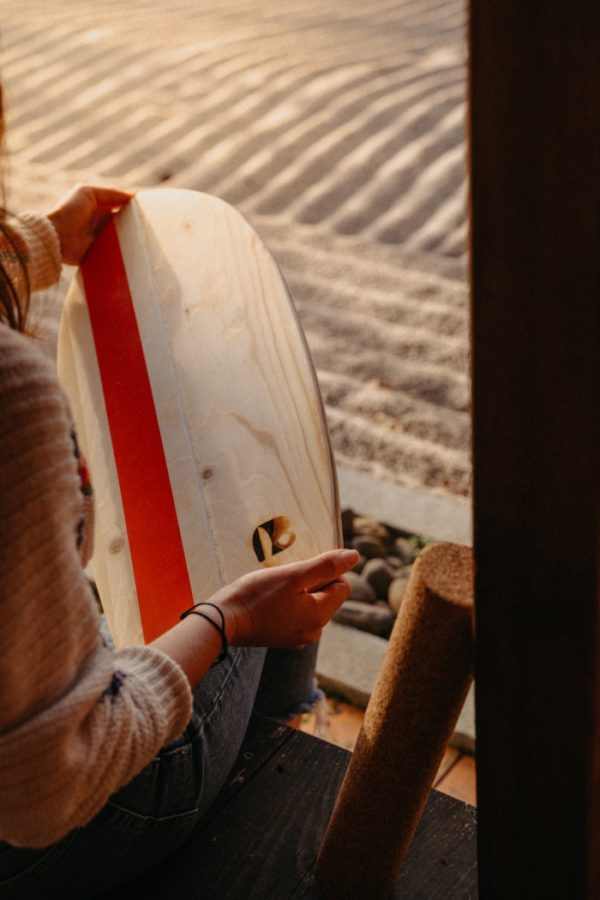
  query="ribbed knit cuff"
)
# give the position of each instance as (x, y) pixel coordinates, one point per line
(44, 263)
(165, 682)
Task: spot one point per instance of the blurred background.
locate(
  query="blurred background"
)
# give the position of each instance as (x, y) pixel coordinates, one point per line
(336, 128)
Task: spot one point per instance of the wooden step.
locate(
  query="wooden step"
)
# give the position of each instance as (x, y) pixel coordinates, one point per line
(262, 836)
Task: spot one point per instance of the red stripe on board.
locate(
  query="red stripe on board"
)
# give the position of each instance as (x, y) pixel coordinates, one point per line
(159, 564)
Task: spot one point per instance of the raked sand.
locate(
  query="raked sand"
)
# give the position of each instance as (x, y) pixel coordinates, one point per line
(336, 127)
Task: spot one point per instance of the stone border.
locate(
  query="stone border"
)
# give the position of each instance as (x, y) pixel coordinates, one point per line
(413, 510)
(348, 663)
(349, 660)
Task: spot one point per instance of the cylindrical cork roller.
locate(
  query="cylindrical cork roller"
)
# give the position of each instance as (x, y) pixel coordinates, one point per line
(416, 701)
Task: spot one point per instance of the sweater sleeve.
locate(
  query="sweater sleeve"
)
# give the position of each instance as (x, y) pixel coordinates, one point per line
(37, 241)
(77, 720)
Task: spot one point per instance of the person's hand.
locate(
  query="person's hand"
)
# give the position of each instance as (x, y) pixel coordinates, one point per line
(286, 606)
(80, 215)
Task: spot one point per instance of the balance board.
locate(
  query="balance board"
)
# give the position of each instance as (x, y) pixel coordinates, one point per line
(197, 407)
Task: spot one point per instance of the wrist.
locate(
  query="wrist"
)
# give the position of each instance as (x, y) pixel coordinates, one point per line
(215, 617)
(193, 644)
(232, 625)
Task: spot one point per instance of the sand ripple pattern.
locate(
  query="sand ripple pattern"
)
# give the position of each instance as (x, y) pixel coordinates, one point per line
(336, 127)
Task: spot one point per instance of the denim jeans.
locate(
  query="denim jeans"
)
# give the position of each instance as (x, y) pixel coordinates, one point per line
(152, 815)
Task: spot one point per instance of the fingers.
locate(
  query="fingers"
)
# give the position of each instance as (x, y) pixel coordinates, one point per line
(314, 573)
(106, 202)
(330, 598)
(288, 605)
(333, 594)
(88, 196)
(319, 607)
(311, 638)
(109, 198)
(81, 215)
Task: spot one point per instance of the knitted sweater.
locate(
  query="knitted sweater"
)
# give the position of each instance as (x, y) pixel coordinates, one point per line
(77, 719)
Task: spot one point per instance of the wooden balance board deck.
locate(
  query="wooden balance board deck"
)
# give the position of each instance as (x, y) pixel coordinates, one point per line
(197, 407)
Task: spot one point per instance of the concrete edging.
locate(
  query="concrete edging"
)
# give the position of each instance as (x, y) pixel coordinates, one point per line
(444, 518)
(348, 664)
(349, 660)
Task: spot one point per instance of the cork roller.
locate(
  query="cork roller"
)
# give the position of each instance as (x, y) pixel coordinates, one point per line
(416, 701)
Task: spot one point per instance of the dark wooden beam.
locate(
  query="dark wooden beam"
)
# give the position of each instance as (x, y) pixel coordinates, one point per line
(535, 182)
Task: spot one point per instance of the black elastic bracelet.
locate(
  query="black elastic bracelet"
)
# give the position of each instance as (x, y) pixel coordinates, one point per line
(214, 606)
(194, 611)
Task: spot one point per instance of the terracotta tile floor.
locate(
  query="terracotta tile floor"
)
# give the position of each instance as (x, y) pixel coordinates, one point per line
(456, 774)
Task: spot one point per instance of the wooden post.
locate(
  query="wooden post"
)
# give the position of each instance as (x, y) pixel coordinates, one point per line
(420, 690)
(535, 154)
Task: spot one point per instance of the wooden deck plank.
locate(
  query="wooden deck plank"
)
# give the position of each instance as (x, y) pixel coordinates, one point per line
(459, 781)
(262, 836)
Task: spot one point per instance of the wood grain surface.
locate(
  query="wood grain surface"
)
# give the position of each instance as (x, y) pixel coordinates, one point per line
(236, 396)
